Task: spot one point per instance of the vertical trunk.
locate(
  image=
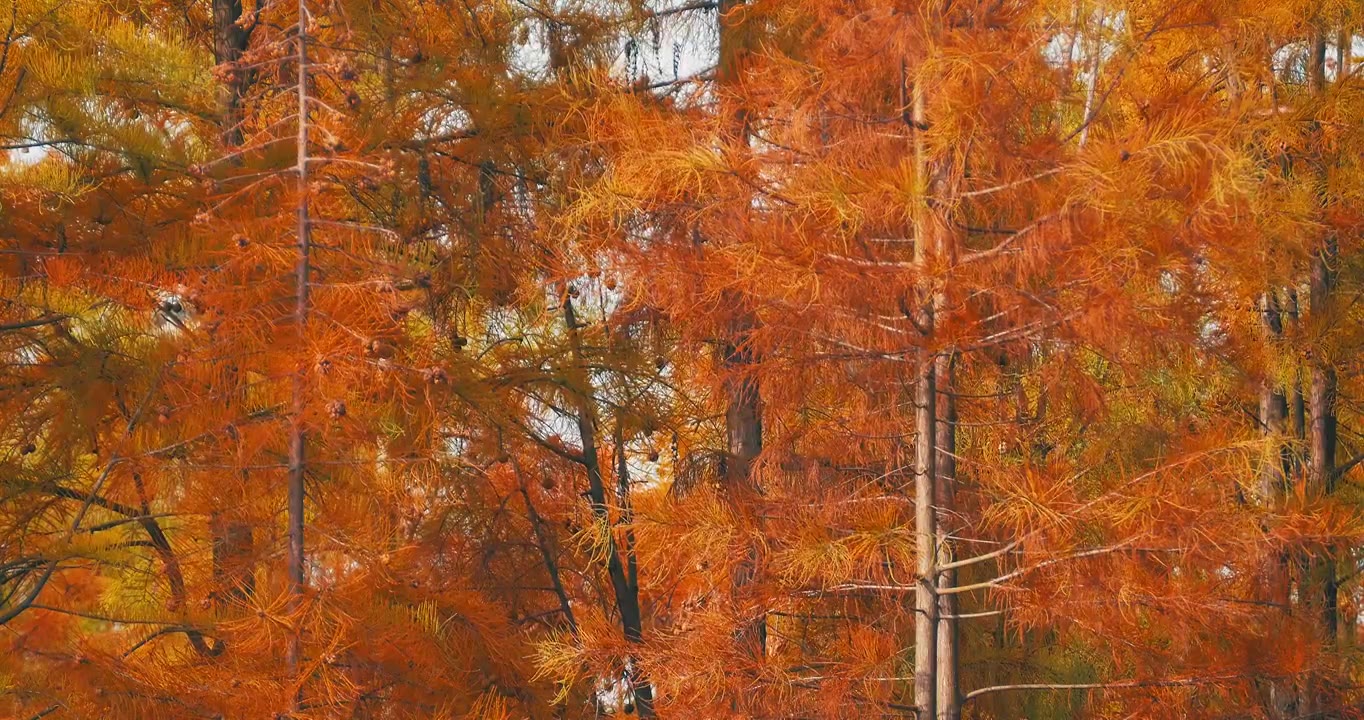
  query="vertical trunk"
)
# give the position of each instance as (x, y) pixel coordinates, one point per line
(546, 548)
(1322, 592)
(644, 692)
(229, 42)
(925, 437)
(624, 581)
(733, 47)
(925, 521)
(743, 426)
(743, 410)
(234, 577)
(743, 398)
(1296, 403)
(744, 431)
(1270, 493)
(1092, 82)
(1321, 470)
(948, 694)
(297, 437)
(1273, 415)
(1322, 428)
(1344, 39)
(626, 594)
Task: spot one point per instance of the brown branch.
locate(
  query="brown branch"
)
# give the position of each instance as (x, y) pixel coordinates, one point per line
(95, 616)
(29, 600)
(36, 322)
(1007, 242)
(1006, 186)
(159, 542)
(1032, 568)
(546, 554)
(1096, 686)
(688, 7)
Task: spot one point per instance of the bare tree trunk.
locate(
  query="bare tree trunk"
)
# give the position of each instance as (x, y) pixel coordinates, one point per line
(1092, 82)
(743, 425)
(232, 542)
(229, 42)
(949, 693)
(1344, 40)
(1279, 700)
(644, 691)
(733, 48)
(743, 410)
(925, 521)
(743, 396)
(925, 437)
(1273, 415)
(1296, 402)
(1321, 475)
(297, 435)
(625, 592)
(546, 548)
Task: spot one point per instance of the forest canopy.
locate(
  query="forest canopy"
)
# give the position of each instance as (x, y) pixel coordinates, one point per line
(501, 359)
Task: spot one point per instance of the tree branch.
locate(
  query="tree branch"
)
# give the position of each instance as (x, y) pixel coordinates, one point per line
(1096, 686)
(36, 322)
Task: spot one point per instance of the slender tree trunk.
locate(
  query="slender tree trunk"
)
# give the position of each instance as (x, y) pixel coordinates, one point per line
(1321, 471)
(1322, 401)
(1323, 592)
(743, 396)
(626, 594)
(1344, 40)
(1297, 404)
(546, 548)
(229, 42)
(234, 576)
(1270, 493)
(297, 435)
(925, 521)
(732, 51)
(743, 425)
(743, 410)
(1092, 81)
(925, 437)
(1281, 417)
(1273, 415)
(644, 692)
(949, 693)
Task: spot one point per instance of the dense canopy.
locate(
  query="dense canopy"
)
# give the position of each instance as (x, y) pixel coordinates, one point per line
(491, 359)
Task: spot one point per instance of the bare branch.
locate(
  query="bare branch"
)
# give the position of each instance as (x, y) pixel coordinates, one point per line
(1185, 682)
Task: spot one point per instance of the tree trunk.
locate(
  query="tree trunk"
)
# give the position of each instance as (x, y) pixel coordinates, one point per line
(1297, 403)
(626, 594)
(234, 578)
(926, 538)
(1322, 593)
(948, 694)
(1273, 415)
(229, 42)
(925, 437)
(1096, 49)
(743, 396)
(232, 542)
(297, 434)
(1270, 493)
(544, 544)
